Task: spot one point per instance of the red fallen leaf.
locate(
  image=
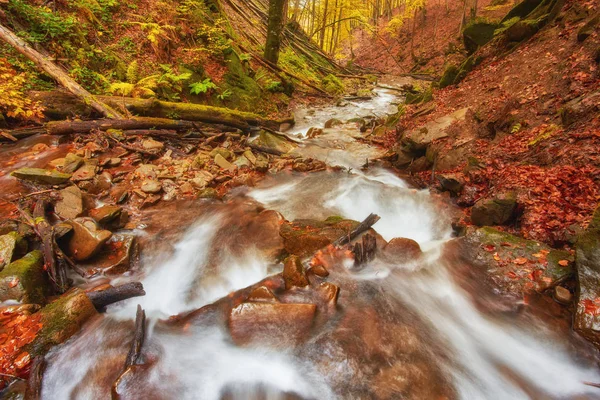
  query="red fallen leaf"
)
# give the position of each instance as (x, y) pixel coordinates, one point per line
(535, 275)
(13, 282)
(520, 261)
(591, 307)
(563, 263)
(512, 275)
(22, 360)
(489, 247)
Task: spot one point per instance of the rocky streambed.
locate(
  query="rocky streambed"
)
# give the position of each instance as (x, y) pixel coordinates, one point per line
(256, 286)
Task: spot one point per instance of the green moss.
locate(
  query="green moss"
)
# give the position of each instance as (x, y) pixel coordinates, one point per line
(61, 319)
(334, 219)
(478, 33)
(25, 280)
(333, 84)
(449, 76)
(467, 66)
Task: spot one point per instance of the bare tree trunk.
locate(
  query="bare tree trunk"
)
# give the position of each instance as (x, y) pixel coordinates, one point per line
(56, 72)
(274, 29)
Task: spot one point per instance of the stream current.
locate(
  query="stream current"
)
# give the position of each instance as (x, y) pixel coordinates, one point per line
(409, 330)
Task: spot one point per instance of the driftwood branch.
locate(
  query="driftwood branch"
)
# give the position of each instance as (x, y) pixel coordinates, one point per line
(45, 231)
(56, 72)
(138, 339)
(102, 298)
(362, 227)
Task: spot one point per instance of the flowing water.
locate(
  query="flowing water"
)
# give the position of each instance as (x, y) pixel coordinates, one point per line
(411, 330)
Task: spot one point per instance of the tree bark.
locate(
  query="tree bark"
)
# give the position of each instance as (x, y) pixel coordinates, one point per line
(103, 298)
(275, 29)
(56, 72)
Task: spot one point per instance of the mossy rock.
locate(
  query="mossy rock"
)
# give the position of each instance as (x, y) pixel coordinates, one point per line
(25, 280)
(586, 30)
(467, 66)
(419, 97)
(518, 265)
(522, 10)
(12, 245)
(41, 176)
(274, 142)
(522, 30)
(62, 319)
(449, 76)
(477, 34)
(499, 210)
(245, 91)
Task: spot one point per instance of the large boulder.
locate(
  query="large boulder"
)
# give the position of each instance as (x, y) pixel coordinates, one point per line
(420, 138)
(11, 245)
(24, 280)
(494, 211)
(304, 237)
(274, 142)
(41, 176)
(587, 257)
(86, 240)
(516, 265)
(402, 250)
(71, 203)
(271, 323)
(477, 34)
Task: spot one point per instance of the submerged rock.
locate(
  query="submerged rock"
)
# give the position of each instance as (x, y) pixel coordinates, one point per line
(42, 176)
(24, 280)
(402, 250)
(71, 203)
(86, 239)
(294, 274)
(11, 246)
(271, 323)
(514, 264)
(106, 213)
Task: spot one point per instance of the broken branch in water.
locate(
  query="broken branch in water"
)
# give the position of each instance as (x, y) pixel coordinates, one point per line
(103, 298)
(362, 227)
(138, 339)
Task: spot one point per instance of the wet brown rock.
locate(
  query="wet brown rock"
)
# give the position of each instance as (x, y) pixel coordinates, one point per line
(41, 176)
(319, 270)
(86, 239)
(314, 132)
(12, 245)
(151, 186)
(330, 292)
(402, 250)
(153, 146)
(86, 172)
(451, 183)
(304, 237)
(562, 295)
(332, 122)
(71, 203)
(271, 323)
(262, 293)
(116, 257)
(274, 142)
(106, 213)
(294, 274)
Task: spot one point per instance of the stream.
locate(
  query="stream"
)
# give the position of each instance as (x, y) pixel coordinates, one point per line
(414, 330)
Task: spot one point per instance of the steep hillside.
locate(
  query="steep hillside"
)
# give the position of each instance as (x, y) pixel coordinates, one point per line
(200, 51)
(522, 124)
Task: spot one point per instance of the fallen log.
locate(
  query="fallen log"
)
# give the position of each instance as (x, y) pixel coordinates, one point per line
(362, 227)
(102, 298)
(72, 127)
(56, 72)
(365, 251)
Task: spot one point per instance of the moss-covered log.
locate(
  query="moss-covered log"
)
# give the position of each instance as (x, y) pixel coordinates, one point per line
(62, 105)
